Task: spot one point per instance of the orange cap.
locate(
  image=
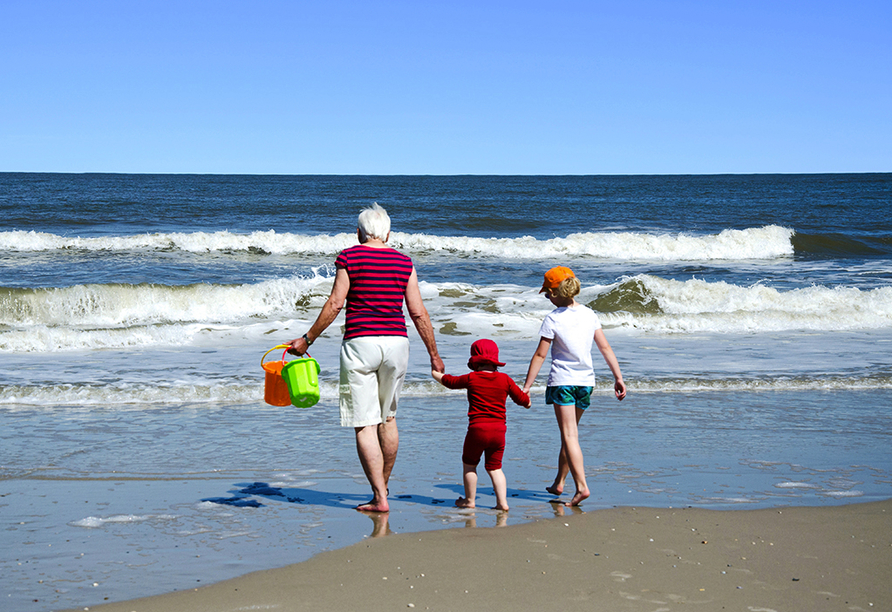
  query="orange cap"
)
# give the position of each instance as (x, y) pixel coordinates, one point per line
(555, 276)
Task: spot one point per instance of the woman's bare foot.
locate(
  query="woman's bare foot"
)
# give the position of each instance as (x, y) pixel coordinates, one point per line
(580, 495)
(374, 506)
(462, 502)
(555, 490)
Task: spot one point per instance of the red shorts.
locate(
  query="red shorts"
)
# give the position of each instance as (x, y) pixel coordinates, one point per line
(485, 437)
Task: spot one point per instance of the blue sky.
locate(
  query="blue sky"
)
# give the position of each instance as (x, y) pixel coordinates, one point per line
(431, 87)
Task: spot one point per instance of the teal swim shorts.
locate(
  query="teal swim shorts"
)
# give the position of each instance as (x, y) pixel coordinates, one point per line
(569, 395)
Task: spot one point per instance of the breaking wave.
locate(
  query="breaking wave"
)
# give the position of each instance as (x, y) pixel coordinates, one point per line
(122, 316)
(768, 242)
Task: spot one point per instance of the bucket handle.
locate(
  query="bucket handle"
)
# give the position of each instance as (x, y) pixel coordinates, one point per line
(278, 346)
(287, 347)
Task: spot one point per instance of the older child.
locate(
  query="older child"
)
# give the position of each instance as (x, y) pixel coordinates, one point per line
(568, 331)
(487, 391)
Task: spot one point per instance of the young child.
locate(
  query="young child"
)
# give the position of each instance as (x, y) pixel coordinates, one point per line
(568, 331)
(487, 391)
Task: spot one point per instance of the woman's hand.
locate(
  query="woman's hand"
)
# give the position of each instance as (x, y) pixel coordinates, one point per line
(299, 346)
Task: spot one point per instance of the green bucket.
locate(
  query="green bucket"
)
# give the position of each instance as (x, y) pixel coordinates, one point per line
(302, 379)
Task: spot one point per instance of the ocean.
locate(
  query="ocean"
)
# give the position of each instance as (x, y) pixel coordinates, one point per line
(751, 315)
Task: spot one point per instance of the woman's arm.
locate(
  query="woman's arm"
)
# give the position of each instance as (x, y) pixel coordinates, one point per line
(329, 313)
(421, 319)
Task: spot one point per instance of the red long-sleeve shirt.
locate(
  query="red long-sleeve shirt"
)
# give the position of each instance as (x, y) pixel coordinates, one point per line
(487, 393)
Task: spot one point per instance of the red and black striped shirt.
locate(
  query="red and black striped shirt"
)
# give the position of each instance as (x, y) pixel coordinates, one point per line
(378, 280)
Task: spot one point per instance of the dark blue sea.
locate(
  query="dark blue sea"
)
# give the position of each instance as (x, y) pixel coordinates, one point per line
(751, 314)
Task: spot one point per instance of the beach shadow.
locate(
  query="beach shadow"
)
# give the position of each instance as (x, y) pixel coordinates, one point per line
(243, 496)
(459, 490)
(422, 499)
(238, 502)
(557, 503)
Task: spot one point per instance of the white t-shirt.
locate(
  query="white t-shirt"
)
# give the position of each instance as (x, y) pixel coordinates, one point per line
(572, 331)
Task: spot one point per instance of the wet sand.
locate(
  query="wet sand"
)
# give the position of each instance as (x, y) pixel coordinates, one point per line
(642, 559)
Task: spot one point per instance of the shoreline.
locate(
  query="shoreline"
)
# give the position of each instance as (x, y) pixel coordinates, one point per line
(108, 518)
(784, 558)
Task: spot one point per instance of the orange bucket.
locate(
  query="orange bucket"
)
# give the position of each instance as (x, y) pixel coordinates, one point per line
(275, 391)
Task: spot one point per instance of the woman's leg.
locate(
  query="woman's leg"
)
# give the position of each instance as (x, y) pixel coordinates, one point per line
(568, 420)
(389, 440)
(368, 447)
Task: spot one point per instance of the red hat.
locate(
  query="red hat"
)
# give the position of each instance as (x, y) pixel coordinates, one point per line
(555, 276)
(484, 352)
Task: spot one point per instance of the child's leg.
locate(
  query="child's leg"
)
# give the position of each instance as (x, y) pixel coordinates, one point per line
(494, 453)
(557, 486)
(500, 486)
(470, 480)
(568, 418)
(470, 457)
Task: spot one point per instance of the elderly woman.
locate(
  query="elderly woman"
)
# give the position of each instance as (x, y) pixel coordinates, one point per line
(374, 280)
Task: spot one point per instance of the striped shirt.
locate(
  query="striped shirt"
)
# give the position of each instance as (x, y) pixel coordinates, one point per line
(378, 280)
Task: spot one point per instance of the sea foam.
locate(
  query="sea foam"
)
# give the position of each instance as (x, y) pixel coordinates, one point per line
(211, 393)
(673, 306)
(767, 242)
(125, 316)
(118, 305)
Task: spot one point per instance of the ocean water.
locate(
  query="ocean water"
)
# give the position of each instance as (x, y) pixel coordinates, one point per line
(752, 317)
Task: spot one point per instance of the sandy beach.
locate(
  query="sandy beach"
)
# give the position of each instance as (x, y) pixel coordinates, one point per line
(781, 559)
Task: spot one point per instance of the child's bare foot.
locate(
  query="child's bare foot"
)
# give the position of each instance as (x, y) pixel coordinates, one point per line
(580, 495)
(502, 507)
(555, 490)
(462, 502)
(374, 506)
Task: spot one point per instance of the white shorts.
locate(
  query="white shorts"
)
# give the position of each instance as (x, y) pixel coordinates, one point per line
(373, 369)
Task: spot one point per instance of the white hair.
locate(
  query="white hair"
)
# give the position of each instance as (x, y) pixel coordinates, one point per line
(374, 222)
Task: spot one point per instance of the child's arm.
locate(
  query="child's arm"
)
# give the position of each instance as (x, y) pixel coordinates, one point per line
(517, 395)
(451, 382)
(536, 363)
(619, 387)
